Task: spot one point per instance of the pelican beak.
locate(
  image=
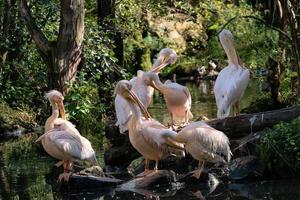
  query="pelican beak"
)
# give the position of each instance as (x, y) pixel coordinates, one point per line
(61, 108)
(137, 101)
(164, 62)
(152, 84)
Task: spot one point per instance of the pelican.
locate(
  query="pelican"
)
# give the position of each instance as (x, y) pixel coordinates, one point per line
(62, 140)
(145, 133)
(204, 143)
(232, 80)
(177, 97)
(143, 91)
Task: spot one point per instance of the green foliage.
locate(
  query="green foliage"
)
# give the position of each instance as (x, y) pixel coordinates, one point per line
(255, 42)
(11, 117)
(280, 145)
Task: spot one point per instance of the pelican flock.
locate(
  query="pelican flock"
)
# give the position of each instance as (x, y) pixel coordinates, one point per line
(153, 140)
(142, 89)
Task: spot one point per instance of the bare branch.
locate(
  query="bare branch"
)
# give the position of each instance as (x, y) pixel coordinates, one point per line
(257, 19)
(36, 33)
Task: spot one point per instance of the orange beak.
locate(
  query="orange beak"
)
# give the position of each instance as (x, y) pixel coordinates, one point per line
(61, 108)
(140, 104)
(163, 63)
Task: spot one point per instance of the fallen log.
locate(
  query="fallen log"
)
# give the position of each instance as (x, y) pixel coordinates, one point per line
(242, 125)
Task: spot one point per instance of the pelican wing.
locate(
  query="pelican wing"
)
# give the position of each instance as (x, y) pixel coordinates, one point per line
(76, 146)
(154, 132)
(212, 140)
(188, 94)
(123, 113)
(123, 110)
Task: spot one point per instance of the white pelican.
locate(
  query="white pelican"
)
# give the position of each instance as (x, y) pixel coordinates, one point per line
(63, 141)
(144, 92)
(145, 133)
(204, 143)
(177, 97)
(232, 80)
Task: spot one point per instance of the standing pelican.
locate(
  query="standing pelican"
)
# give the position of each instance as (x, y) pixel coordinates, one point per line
(143, 91)
(177, 97)
(62, 140)
(204, 143)
(145, 133)
(232, 80)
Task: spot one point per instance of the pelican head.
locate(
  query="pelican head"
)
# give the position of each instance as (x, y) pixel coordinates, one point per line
(165, 57)
(123, 88)
(227, 41)
(152, 79)
(62, 125)
(226, 38)
(57, 100)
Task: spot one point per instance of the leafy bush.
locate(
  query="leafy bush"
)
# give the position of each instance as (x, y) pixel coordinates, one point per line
(280, 145)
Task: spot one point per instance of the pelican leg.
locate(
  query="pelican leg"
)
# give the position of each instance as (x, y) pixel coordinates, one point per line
(147, 171)
(198, 171)
(156, 166)
(146, 165)
(186, 118)
(173, 123)
(236, 107)
(66, 175)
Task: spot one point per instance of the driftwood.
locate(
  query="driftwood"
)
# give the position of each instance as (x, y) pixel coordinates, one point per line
(242, 125)
(154, 180)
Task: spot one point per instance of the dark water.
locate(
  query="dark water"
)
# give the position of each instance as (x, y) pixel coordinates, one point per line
(25, 172)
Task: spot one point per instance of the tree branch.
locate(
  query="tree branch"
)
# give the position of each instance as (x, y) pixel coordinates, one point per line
(39, 38)
(260, 20)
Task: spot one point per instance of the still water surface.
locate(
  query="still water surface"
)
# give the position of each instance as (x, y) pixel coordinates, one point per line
(27, 176)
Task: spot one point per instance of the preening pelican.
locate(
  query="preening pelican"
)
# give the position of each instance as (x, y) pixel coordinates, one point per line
(145, 133)
(56, 100)
(204, 143)
(232, 80)
(177, 97)
(144, 92)
(63, 141)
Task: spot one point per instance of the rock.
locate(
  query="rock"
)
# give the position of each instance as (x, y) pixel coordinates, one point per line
(89, 183)
(151, 181)
(246, 167)
(121, 154)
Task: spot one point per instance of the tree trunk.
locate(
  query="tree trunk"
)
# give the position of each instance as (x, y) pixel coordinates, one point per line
(274, 80)
(106, 14)
(64, 55)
